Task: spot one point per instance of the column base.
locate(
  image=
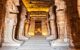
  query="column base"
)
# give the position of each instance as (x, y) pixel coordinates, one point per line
(12, 43)
(71, 43)
(51, 37)
(23, 38)
(28, 36)
(59, 43)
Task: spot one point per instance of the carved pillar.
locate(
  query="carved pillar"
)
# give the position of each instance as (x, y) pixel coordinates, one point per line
(61, 24)
(44, 28)
(27, 28)
(10, 23)
(53, 35)
(78, 4)
(21, 25)
(48, 26)
(32, 28)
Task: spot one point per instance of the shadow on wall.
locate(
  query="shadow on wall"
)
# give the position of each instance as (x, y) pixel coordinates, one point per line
(74, 20)
(2, 19)
(18, 21)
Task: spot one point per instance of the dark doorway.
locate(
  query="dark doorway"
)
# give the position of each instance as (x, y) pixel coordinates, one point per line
(38, 28)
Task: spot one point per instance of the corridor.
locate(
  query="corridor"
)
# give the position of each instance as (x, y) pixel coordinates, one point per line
(39, 24)
(36, 43)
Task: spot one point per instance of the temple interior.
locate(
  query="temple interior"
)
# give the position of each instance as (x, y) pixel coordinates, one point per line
(39, 24)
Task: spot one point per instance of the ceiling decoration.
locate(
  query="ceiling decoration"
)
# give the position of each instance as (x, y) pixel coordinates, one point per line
(37, 7)
(38, 13)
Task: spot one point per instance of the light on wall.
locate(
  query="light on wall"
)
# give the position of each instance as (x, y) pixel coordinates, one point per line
(31, 7)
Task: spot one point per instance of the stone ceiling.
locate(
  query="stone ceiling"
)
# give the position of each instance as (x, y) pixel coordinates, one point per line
(35, 7)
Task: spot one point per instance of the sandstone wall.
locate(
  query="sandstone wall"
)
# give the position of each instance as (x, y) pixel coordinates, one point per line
(2, 14)
(74, 20)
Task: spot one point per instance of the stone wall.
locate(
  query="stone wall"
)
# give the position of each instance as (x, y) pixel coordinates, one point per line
(2, 14)
(74, 20)
(72, 15)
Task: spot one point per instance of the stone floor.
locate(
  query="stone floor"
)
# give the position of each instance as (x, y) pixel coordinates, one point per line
(37, 43)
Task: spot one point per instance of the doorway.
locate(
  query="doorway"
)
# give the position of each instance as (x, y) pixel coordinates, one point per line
(38, 29)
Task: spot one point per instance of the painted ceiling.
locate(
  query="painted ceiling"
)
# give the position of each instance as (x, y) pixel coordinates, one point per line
(37, 6)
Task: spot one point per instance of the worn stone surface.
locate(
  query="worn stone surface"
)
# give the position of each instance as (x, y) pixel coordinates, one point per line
(21, 32)
(44, 28)
(36, 43)
(73, 12)
(74, 21)
(61, 24)
(10, 23)
(32, 28)
(27, 28)
(52, 25)
(78, 6)
(2, 16)
(16, 2)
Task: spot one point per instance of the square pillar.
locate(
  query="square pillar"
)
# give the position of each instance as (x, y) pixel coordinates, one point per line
(61, 24)
(21, 32)
(10, 25)
(9, 38)
(53, 35)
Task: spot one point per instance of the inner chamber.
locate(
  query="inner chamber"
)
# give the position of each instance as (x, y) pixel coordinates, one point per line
(38, 27)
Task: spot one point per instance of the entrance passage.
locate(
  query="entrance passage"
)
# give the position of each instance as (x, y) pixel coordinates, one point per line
(38, 29)
(36, 43)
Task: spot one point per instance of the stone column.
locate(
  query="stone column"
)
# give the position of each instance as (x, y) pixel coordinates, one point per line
(48, 27)
(27, 28)
(61, 24)
(78, 4)
(53, 35)
(32, 28)
(10, 23)
(44, 28)
(21, 25)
